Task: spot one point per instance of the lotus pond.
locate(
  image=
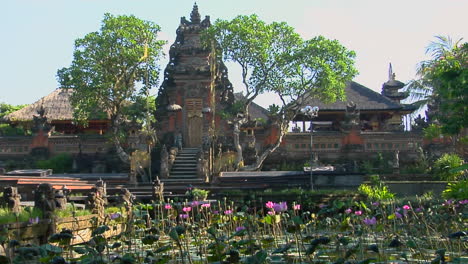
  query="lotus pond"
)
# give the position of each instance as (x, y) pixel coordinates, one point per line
(417, 231)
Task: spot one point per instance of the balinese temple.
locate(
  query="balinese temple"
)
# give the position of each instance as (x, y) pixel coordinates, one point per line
(191, 106)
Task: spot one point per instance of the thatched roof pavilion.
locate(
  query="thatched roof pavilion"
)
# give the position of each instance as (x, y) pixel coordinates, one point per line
(56, 106)
(59, 113)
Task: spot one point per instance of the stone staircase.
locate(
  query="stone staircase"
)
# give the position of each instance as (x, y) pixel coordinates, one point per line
(184, 169)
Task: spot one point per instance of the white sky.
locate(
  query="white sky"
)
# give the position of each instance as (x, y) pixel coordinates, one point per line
(37, 36)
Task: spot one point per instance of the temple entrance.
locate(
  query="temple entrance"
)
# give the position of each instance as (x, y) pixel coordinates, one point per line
(194, 128)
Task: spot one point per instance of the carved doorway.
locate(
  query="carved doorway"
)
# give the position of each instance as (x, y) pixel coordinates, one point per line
(194, 128)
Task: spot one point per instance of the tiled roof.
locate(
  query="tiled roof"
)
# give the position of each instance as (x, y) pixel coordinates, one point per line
(255, 111)
(363, 97)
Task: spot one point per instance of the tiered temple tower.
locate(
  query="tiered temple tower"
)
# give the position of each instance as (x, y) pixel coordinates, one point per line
(194, 90)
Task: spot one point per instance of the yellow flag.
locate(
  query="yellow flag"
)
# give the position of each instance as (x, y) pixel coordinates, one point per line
(145, 53)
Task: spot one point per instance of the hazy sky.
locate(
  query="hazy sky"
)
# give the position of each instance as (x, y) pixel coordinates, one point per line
(37, 36)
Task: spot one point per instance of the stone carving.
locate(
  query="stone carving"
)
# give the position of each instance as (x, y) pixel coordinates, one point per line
(40, 121)
(101, 188)
(127, 199)
(97, 199)
(178, 140)
(164, 170)
(158, 190)
(202, 168)
(11, 199)
(351, 120)
(60, 199)
(96, 204)
(44, 199)
(396, 162)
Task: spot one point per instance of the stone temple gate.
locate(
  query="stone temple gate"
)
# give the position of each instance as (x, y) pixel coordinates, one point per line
(194, 89)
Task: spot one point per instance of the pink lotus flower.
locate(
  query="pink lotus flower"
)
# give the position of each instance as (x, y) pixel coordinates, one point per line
(348, 211)
(206, 205)
(183, 216)
(240, 228)
(269, 204)
(297, 207)
(280, 207)
(187, 209)
(406, 207)
(167, 206)
(358, 212)
(228, 212)
(370, 221)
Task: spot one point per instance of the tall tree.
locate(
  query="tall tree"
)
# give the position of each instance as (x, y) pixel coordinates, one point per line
(442, 83)
(274, 58)
(111, 68)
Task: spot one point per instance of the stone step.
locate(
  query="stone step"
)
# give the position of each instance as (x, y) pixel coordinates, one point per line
(181, 168)
(184, 164)
(186, 158)
(173, 173)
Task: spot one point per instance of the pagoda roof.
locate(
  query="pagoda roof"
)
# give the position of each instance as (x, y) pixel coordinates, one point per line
(364, 98)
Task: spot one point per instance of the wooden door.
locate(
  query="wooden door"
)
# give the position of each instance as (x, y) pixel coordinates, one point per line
(194, 128)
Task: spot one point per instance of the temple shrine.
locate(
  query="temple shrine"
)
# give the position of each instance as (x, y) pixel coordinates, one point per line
(196, 138)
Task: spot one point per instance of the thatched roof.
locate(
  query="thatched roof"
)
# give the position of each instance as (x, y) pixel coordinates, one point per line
(56, 106)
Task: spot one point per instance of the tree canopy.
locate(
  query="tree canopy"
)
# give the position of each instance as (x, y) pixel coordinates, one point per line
(274, 58)
(442, 82)
(112, 67)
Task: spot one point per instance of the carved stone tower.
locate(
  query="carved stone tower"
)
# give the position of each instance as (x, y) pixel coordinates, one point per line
(195, 87)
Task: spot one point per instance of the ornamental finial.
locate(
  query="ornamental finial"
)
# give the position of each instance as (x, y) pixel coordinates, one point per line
(195, 16)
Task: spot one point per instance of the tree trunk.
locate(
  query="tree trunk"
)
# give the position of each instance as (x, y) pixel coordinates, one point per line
(262, 157)
(237, 146)
(124, 157)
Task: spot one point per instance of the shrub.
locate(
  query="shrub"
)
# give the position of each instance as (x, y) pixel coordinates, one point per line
(456, 190)
(197, 194)
(377, 190)
(443, 167)
(59, 164)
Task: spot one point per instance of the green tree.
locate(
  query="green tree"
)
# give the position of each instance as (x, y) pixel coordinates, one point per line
(6, 109)
(274, 58)
(5, 128)
(442, 82)
(111, 68)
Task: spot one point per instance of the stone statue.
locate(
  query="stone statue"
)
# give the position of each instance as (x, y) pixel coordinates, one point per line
(101, 188)
(44, 199)
(60, 200)
(11, 199)
(178, 140)
(351, 120)
(158, 190)
(127, 199)
(164, 170)
(96, 204)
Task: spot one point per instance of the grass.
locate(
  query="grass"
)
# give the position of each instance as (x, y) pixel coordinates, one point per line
(6, 216)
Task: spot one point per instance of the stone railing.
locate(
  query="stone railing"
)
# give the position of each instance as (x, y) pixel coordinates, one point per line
(369, 142)
(22, 145)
